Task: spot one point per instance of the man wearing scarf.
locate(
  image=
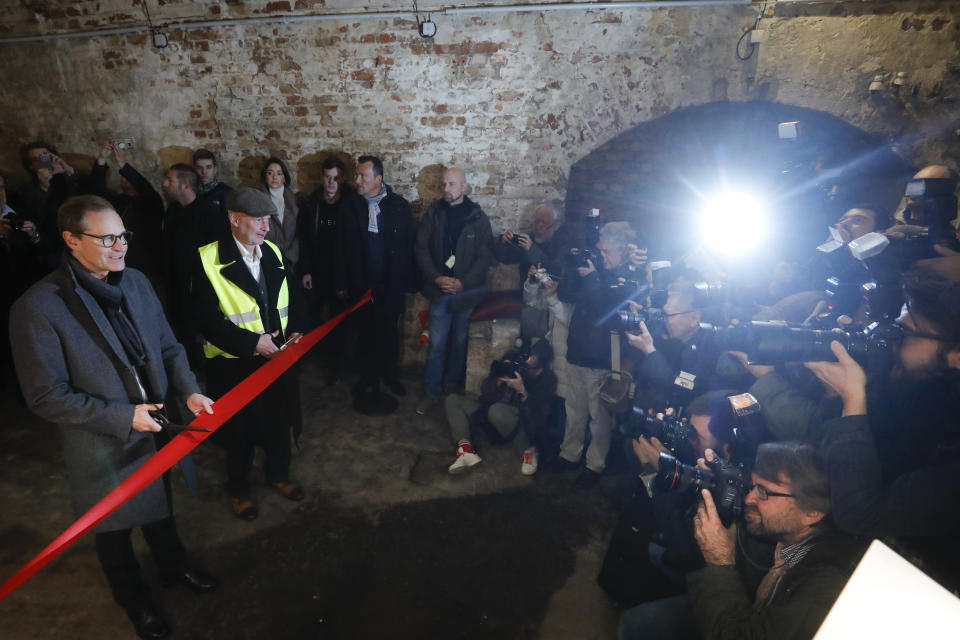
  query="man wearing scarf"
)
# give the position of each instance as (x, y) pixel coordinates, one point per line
(748, 588)
(375, 252)
(95, 355)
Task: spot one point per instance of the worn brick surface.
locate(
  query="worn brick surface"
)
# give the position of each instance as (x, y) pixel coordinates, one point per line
(515, 98)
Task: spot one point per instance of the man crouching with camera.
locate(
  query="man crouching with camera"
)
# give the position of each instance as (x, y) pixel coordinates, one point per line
(749, 589)
(518, 395)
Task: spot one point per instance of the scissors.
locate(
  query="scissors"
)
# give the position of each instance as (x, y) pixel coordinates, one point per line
(161, 416)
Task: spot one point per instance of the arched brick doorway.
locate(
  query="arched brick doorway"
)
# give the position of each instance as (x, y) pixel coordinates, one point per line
(656, 174)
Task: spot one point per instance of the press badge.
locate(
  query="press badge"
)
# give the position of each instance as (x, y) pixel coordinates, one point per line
(685, 380)
(452, 260)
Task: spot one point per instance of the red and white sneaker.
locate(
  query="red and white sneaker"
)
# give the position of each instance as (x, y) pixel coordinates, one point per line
(530, 459)
(466, 458)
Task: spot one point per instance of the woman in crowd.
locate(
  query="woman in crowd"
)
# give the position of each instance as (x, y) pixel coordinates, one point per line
(283, 225)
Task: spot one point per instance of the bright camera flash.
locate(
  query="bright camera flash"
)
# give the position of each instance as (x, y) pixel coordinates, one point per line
(733, 222)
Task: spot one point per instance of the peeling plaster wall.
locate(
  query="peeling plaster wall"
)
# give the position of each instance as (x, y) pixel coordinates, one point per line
(515, 98)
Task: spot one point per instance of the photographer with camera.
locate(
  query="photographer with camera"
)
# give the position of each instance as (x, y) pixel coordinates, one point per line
(597, 294)
(893, 474)
(518, 395)
(652, 546)
(786, 504)
(544, 247)
(680, 362)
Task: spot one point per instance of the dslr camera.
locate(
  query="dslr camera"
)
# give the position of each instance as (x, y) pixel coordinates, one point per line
(727, 481)
(509, 367)
(666, 427)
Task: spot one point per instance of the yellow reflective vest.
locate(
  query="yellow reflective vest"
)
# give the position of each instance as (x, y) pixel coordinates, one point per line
(238, 306)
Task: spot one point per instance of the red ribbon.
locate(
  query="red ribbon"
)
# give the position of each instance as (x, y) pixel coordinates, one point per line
(224, 409)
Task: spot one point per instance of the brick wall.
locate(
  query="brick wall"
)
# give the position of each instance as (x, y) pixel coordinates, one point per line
(515, 98)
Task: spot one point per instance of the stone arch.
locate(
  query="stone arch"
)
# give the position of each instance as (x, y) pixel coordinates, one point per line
(656, 174)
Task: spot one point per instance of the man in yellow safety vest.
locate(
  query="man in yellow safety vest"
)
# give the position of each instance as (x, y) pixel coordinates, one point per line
(246, 309)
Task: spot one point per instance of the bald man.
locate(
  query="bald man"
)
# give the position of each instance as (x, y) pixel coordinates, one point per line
(453, 251)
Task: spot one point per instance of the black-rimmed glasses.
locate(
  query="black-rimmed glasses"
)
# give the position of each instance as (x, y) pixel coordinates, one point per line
(110, 239)
(763, 493)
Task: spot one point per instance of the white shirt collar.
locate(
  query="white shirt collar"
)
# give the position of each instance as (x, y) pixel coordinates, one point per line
(247, 254)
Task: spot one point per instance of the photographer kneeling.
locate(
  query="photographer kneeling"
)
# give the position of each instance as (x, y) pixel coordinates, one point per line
(517, 395)
(788, 504)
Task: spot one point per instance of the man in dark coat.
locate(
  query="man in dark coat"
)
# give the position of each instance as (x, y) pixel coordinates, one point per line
(210, 187)
(190, 222)
(95, 355)
(376, 252)
(454, 252)
(246, 307)
(321, 214)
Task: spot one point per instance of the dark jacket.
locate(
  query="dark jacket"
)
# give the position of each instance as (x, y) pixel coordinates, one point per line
(549, 255)
(215, 328)
(317, 230)
(142, 214)
(217, 195)
(657, 376)
(396, 231)
(597, 298)
(917, 503)
(474, 254)
(723, 595)
(74, 372)
(534, 411)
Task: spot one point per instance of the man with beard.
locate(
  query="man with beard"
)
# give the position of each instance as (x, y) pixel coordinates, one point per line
(787, 505)
(893, 474)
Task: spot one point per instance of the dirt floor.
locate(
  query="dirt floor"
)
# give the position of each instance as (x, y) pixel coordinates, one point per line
(387, 543)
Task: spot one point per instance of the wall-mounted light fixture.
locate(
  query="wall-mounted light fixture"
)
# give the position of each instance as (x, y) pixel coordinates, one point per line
(428, 28)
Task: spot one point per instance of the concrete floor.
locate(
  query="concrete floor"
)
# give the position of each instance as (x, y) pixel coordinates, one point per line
(386, 543)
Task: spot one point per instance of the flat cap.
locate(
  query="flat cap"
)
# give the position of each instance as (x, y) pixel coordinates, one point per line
(253, 202)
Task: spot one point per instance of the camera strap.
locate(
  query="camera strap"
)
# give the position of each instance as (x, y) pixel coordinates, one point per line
(615, 355)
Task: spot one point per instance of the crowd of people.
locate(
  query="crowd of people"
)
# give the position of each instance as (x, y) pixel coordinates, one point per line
(764, 461)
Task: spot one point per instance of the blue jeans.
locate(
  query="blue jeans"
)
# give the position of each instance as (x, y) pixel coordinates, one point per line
(667, 619)
(446, 324)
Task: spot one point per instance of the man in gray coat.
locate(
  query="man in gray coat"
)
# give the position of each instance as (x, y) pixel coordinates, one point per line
(95, 355)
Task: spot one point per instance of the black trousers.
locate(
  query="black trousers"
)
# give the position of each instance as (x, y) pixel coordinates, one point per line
(265, 422)
(378, 342)
(115, 551)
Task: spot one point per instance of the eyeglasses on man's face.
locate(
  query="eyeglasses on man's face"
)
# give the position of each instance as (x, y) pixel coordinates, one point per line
(763, 493)
(110, 239)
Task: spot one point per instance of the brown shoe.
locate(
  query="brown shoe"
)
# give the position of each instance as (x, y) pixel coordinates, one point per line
(289, 490)
(244, 509)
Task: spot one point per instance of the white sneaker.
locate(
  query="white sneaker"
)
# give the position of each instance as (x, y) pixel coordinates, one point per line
(530, 459)
(466, 460)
